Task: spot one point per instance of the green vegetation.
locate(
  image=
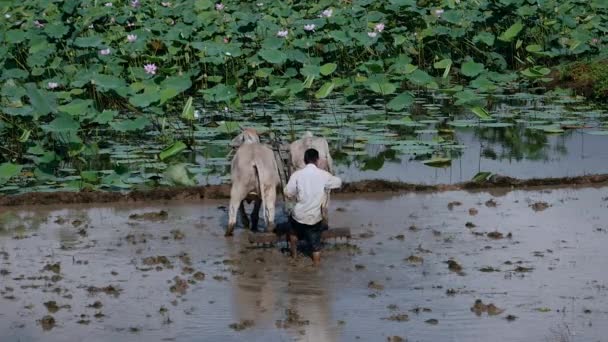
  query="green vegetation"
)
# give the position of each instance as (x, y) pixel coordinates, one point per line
(78, 74)
(588, 78)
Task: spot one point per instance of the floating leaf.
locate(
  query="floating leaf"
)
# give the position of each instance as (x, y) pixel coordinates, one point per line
(400, 101)
(175, 148)
(471, 69)
(8, 171)
(130, 125)
(481, 177)
(481, 113)
(328, 68)
(438, 162)
(325, 90)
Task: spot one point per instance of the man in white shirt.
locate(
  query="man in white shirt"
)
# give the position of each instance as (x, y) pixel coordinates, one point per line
(309, 186)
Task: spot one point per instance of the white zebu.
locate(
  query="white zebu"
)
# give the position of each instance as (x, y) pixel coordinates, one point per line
(254, 176)
(297, 150)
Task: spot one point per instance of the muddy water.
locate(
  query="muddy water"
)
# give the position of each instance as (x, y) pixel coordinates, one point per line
(352, 296)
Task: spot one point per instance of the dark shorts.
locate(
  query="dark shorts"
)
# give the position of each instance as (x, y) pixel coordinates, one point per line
(311, 234)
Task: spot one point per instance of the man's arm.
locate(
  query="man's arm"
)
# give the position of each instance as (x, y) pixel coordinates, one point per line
(291, 189)
(333, 182)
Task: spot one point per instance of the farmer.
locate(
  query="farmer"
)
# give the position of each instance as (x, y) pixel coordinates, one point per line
(309, 187)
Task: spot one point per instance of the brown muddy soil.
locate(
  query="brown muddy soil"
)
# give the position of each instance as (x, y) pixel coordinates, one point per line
(223, 191)
(416, 269)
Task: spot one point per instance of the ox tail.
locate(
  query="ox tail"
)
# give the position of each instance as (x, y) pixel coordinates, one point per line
(259, 177)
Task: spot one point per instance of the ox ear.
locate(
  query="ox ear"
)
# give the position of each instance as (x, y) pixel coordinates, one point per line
(237, 141)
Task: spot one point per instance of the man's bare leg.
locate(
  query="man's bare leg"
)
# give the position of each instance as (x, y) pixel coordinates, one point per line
(293, 245)
(316, 258)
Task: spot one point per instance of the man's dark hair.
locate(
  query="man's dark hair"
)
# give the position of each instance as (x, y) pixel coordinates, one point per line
(311, 156)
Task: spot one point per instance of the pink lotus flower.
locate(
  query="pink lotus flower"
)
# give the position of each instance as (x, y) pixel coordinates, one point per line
(379, 27)
(327, 13)
(282, 33)
(135, 3)
(226, 40)
(150, 69)
(165, 4)
(595, 41)
(52, 85)
(108, 4)
(439, 12)
(38, 24)
(372, 34)
(219, 6)
(309, 27)
(131, 38)
(104, 52)
(130, 24)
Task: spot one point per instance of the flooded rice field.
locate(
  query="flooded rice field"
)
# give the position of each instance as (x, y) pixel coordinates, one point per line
(447, 266)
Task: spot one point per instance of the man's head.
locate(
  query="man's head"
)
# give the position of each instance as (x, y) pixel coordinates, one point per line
(311, 156)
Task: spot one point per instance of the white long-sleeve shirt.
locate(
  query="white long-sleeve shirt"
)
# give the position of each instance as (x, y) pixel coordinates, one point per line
(308, 186)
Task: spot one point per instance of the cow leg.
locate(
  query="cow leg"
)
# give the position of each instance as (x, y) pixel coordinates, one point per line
(269, 202)
(236, 199)
(243, 215)
(255, 214)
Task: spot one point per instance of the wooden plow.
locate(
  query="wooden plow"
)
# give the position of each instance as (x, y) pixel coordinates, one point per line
(283, 160)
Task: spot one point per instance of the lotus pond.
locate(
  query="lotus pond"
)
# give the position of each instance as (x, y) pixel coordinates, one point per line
(527, 136)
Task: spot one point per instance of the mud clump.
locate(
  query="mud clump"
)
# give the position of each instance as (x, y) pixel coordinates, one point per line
(432, 321)
(47, 322)
(414, 259)
(151, 216)
(511, 318)
(359, 267)
(454, 266)
(180, 286)
(52, 306)
(96, 305)
(473, 211)
(488, 269)
(491, 203)
(109, 290)
(242, 325)
(375, 286)
(479, 307)
(158, 260)
(539, 206)
(185, 258)
(56, 267)
(292, 319)
(398, 318)
(496, 235)
(522, 269)
(200, 276)
(451, 205)
(470, 225)
(177, 234)
(396, 339)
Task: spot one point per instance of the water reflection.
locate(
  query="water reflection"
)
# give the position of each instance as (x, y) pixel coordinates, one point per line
(293, 298)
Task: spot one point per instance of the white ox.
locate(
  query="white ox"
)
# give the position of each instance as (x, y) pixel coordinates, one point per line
(255, 176)
(297, 150)
(298, 147)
